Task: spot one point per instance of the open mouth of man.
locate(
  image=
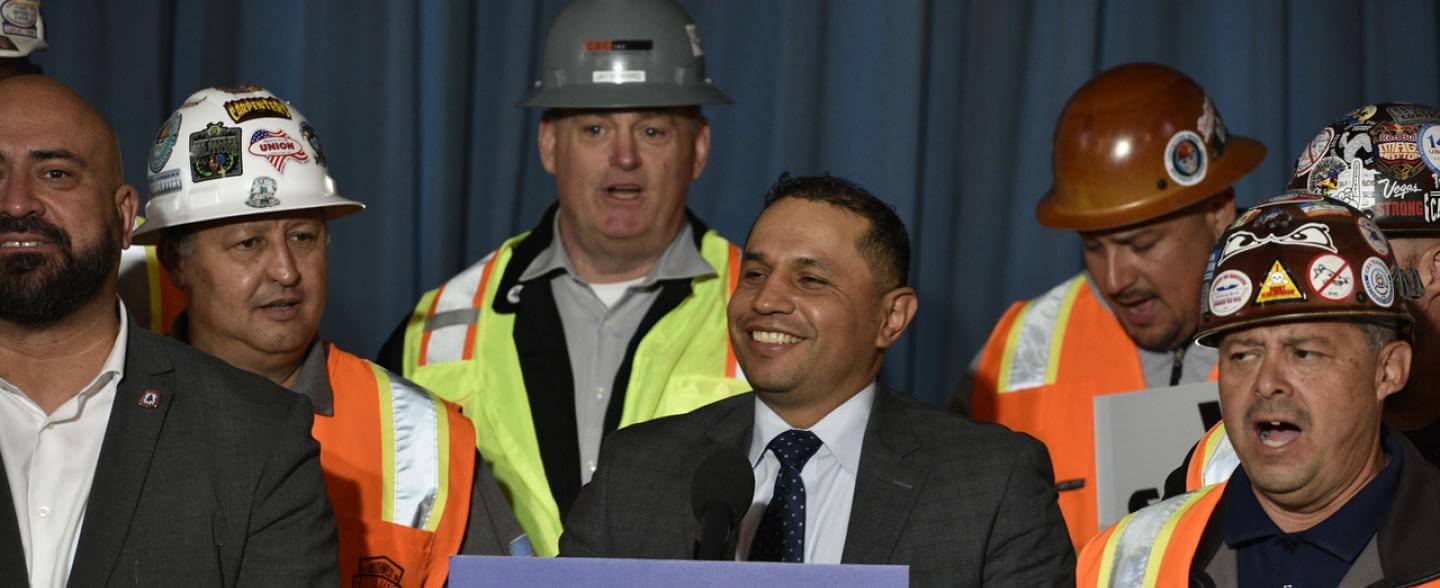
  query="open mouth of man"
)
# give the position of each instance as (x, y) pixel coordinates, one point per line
(1275, 433)
(623, 191)
(282, 308)
(770, 342)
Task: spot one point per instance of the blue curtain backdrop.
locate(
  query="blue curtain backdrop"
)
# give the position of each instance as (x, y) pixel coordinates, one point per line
(943, 107)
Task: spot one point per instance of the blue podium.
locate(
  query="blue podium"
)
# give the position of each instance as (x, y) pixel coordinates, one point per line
(475, 570)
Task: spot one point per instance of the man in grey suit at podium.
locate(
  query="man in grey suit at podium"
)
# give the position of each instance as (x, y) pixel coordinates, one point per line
(845, 471)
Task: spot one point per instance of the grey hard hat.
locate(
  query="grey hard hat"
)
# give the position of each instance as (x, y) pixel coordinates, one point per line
(623, 54)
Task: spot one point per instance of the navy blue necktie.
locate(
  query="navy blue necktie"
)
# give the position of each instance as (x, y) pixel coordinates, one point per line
(781, 534)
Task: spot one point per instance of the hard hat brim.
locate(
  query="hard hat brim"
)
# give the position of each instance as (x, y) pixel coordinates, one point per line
(623, 96)
(1211, 338)
(1242, 154)
(149, 233)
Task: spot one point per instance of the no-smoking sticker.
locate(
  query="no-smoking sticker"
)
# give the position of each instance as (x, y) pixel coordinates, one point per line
(1331, 277)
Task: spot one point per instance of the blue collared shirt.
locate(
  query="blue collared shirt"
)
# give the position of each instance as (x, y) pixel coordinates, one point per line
(1318, 556)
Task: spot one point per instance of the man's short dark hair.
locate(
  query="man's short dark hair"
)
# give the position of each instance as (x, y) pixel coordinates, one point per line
(886, 246)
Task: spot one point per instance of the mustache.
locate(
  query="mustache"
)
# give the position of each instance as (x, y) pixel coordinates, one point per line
(1279, 408)
(34, 224)
(1133, 295)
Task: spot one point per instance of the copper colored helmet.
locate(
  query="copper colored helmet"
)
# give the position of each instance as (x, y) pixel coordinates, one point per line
(1382, 159)
(1299, 257)
(1136, 142)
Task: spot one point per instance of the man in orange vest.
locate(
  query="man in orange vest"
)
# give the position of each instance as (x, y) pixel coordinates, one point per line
(239, 201)
(1313, 337)
(1143, 169)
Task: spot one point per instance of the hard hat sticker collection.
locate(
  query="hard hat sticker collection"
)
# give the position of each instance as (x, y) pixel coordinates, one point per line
(247, 150)
(1383, 159)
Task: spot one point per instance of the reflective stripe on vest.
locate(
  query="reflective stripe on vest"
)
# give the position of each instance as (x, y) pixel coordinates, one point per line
(1150, 547)
(399, 465)
(146, 289)
(1068, 348)
(415, 461)
(458, 347)
(1033, 345)
(1213, 459)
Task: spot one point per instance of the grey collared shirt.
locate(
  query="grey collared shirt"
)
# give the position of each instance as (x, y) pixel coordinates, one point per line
(596, 337)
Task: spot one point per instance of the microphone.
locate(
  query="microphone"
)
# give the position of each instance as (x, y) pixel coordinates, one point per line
(720, 493)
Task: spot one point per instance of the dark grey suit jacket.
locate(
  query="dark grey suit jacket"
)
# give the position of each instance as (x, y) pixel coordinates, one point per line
(961, 503)
(218, 485)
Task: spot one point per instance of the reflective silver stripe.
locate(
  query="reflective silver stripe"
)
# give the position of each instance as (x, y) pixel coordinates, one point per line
(1222, 461)
(447, 331)
(417, 452)
(1031, 357)
(452, 318)
(1132, 551)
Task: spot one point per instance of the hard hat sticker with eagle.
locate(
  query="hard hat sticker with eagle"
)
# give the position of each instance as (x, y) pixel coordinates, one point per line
(1278, 286)
(1186, 158)
(1331, 277)
(215, 153)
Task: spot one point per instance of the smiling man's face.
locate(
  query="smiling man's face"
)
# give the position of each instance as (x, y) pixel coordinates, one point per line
(810, 319)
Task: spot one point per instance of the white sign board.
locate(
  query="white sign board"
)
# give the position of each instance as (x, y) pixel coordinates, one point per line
(1140, 437)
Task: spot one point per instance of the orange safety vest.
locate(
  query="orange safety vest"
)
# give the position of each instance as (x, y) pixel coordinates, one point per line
(145, 288)
(1212, 460)
(398, 463)
(1039, 373)
(1154, 546)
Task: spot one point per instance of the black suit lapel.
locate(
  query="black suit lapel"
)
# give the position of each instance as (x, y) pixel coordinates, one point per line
(12, 551)
(125, 456)
(887, 484)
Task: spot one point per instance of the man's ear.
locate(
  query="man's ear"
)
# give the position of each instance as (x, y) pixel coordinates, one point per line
(899, 306)
(1393, 369)
(547, 142)
(702, 147)
(127, 205)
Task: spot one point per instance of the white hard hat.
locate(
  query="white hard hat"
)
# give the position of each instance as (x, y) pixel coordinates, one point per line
(242, 151)
(22, 30)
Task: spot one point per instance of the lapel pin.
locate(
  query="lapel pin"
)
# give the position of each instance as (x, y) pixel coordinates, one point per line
(513, 296)
(150, 399)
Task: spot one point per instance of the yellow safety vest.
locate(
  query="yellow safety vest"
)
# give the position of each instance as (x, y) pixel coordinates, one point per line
(458, 347)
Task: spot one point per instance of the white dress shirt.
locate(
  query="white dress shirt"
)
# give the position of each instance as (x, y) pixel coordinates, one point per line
(829, 475)
(50, 463)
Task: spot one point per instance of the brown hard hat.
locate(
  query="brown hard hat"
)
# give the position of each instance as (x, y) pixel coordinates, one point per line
(1383, 159)
(1300, 257)
(1136, 142)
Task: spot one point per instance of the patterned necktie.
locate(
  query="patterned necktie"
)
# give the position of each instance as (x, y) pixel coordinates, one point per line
(781, 534)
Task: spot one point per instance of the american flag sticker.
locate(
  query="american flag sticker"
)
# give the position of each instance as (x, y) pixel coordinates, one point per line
(277, 147)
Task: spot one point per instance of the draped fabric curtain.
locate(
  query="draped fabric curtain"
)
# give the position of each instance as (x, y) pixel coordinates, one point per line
(944, 108)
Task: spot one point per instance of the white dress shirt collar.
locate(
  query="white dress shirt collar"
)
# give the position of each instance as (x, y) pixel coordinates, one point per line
(842, 431)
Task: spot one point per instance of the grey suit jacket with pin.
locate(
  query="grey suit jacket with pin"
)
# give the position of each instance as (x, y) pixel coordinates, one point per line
(961, 503)
(218, 485)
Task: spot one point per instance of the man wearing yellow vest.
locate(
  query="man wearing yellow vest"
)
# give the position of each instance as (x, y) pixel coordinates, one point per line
(1312, 338)
(1382, 159)
(1143, 169)
(238, 209)
(610, 311)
